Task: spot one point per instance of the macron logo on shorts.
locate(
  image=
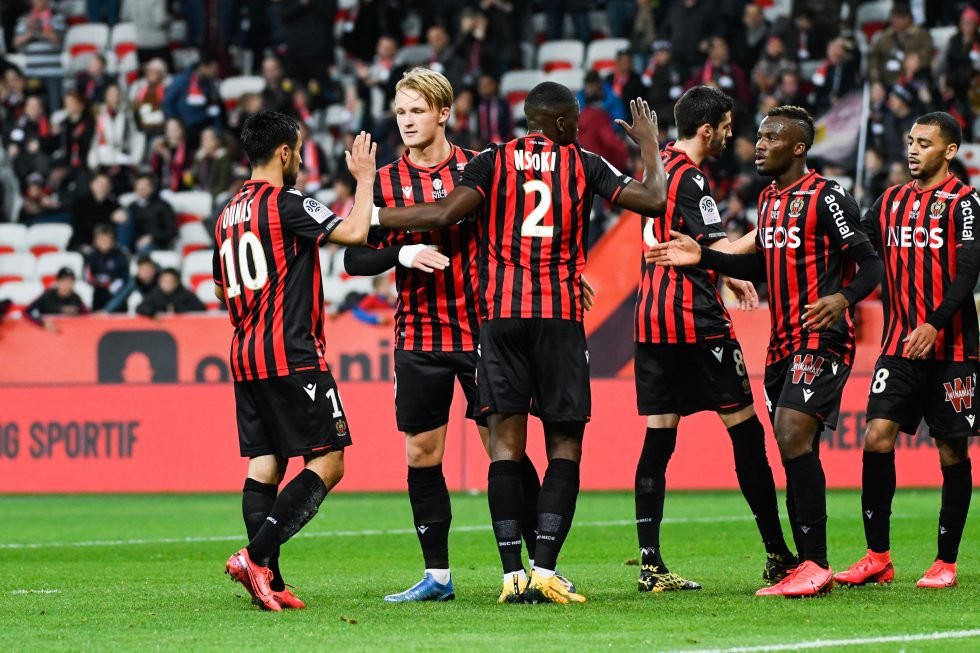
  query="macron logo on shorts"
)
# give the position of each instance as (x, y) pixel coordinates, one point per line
(311, 391)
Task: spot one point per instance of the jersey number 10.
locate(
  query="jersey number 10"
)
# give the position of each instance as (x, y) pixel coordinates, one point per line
(249, 247)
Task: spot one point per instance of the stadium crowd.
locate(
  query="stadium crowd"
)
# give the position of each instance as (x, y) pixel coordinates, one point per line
(121, 120)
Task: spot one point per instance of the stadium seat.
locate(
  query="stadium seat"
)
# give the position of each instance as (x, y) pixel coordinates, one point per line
(191, 237)
(19, 266)
(941, 37)
(325, 196)
(128, 69)
(560, 55)
(872, 17)
(43, 238)
(232, 89)
(601, 55)
(21, 293)
(413, 55)
(196, 269)
(85, 292)
(189, 205)
(81, 42)
(205, 292)
(122, 40)
(969, 153)
(49, 264)
(516, 84)
(574, 79)
(16, 59)
(166, 258)
(13, 238)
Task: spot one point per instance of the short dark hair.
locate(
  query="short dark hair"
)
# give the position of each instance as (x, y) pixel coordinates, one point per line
(103, 228)
(699, 106)
(800, 116)
(948, 126)
(548, 96)
(264, 132)
(173, 271)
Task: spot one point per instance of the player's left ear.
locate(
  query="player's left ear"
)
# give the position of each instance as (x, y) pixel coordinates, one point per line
(444, 115)
(951, 150)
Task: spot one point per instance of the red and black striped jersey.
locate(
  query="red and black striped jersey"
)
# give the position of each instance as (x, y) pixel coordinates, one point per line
(804, 230)
(917, 232)
(534, 231)
(438, 311)
(681, 304)
(267, 262)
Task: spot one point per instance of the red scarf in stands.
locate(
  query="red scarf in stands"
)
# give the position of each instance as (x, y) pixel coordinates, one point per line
(490, 121)
(177, 158)
(311, 161)
(194, 89)
(156, 99)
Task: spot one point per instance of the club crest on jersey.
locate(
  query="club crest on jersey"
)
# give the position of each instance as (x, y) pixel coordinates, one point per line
(807, 368)
(438, 192)
(407, 192)
(341, 427)
(937, 209)
(960, 393)
(796, 207)
(317, 211)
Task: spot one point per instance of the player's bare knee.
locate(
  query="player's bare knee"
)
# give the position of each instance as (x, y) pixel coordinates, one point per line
(329, 467)
(266, 469)
(735, 416)
(880, 436)
(425, 449)
(952, 451)
(664, 421)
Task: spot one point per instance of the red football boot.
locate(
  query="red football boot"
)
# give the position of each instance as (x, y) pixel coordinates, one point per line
(809, 579)
(939, 576)
(287, 599)
(254, 578)
(873, 568)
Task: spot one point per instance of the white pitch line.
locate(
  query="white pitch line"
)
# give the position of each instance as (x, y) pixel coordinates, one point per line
(35, 591)
(831, 643)
(362, 533)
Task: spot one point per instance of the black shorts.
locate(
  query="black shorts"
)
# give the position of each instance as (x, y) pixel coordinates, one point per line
(424, 388)
(541, 360)
(295, 415)
(811, 382)
(687, 378)
(941, 392)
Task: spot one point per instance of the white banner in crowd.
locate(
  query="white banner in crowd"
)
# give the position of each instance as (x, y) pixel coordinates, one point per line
(838, 130)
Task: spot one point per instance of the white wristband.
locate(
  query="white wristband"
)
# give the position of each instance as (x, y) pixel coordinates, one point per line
(375, 217)
(408, 253)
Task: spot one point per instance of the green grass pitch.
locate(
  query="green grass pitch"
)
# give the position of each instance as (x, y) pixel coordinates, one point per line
(141, 573)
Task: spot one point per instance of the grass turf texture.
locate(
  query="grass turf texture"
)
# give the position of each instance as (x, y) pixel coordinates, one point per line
(174, 596)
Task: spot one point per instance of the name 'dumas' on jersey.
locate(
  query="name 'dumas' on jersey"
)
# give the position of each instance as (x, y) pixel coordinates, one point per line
(236, 214)
(543, 162)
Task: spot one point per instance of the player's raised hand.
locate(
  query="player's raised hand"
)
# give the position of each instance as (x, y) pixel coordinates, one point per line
(824, 313)
(644, 130)
(920, 342)
(360, 158)
(423, 257)
(680, 250)
(748, 298)
(588, 294)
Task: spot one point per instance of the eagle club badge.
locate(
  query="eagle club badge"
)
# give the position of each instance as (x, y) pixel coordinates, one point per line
(937, 209)
(438, 192)
(796, 207)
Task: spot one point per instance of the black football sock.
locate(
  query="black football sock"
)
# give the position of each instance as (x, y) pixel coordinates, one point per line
(556, 508)
(755, 480)
(432, 513)
(877, 492)
(532, 488)
(257, 501)
(294, 507)
(649, 490)
(810, 498)
(957, 487)
(505, 494)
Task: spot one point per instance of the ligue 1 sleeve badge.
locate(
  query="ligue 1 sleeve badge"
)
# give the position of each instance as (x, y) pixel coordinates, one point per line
(796, 207)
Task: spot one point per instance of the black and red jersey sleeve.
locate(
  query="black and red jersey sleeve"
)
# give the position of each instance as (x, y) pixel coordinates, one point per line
(838, 212)
(603, 177)
(965, 215)
(700, 215)
(306, 217)
(479, 171)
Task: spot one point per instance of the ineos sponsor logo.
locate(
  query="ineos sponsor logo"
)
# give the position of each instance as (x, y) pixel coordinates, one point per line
(907, 236)
(779, 237)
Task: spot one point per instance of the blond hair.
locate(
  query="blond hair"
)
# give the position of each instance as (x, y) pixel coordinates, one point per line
(434, 88)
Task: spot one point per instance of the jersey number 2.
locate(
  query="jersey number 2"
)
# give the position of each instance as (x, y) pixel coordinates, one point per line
(531, 227)
(249, 247)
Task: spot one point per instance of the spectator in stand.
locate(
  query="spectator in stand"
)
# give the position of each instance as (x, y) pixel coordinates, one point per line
(375, 84)
(624, 82)
(12, 95)
(193, 98)
(38, 36)
(93, 81)
(315, 162)
(146, 98)
(898, 174)
(788, 89)
(151, 222)
(665, 83)
(74, 134)
(249, 104)
(61, 299)
(595, 91)
(31, 159)
(278, 91)
(748, 44)
(891, 46)
(142, 282)
(806, 37)
(211, 171)
(106, 266)
(875, 178)
(688, 25)
(39, 203)
(773, 61)
(462, 121)
(493, 119)
(169, 297)
(621, 14)
(308, 27)
(171, 158)
(376, 308)
(959, 68)
(113, 144)
(837, 75)
(577, 9)
(98, 206)
(32, 124)
(916, 78)
(444, 58)
(152, 29)
(898, 121)
(480, 50)
(102, 11)
(719, 71)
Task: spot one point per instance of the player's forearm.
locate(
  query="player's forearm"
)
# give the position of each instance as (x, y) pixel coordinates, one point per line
(960, 289)
(369, 262)
(750, 267)
(420, 217)
(869, 274)
(353, 230)
(655, 177)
